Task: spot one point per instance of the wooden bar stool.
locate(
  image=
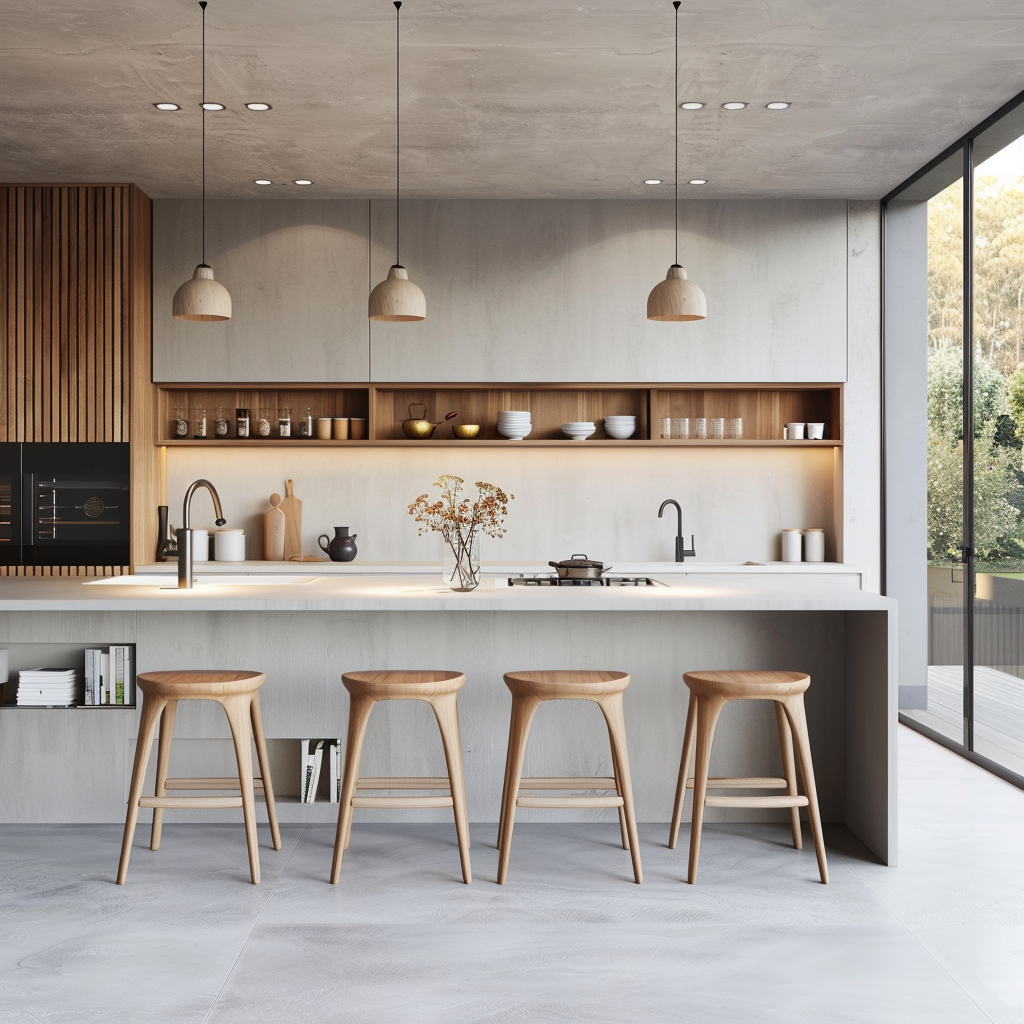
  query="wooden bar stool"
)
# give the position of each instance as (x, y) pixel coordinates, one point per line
(709, 692)
(439, 690)
(238, 694)
(529, 689)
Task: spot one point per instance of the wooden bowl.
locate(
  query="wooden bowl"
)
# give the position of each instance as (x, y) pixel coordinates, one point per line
(465, 430)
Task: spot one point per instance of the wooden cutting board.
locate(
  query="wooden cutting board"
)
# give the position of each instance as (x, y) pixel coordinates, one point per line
(273, 531)
(292, 509)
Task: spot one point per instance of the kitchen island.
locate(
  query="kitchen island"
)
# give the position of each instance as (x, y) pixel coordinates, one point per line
(304, 631)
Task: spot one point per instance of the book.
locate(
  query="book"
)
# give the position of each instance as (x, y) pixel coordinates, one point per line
(335, 756)
(312, 756)
(120, 657)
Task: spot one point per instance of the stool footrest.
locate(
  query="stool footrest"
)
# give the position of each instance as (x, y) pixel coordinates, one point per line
(190, 801)
(720, 782)
(566, 783)
(230, 782)
(415, 782)
(569, 801)
(755, 801)
(402, 801)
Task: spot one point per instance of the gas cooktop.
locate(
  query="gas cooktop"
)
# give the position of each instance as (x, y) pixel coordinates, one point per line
(553, 580)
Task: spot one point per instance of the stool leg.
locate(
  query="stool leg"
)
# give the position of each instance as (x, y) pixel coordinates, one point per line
(798, 723)
(504, 791)
(358, 715)
(789, 770)
(523, 710)
(152, 707)
(623, 832)
(708, 710)
(237, 708)
(163, 759)
(261, 756)
(689, 735)
(446, 712)
(611, 706)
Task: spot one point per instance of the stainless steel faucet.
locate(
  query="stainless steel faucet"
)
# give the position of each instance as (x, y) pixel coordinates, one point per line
(681, 550)
(184, 535)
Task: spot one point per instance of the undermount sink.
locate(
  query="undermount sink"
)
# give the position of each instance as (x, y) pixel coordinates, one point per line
(169, 582)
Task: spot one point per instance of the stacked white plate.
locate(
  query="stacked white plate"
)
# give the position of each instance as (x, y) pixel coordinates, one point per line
(514, 424)
(620, 427)
(578, 431)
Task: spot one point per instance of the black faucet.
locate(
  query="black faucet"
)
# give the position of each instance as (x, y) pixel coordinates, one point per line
(681, 550)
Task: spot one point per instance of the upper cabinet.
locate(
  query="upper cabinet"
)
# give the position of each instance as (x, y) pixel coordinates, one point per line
(297, 274)
(553, 290)
(517, 290)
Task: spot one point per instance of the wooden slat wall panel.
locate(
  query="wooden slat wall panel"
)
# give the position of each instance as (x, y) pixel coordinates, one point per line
(67, 323)
(75, 319)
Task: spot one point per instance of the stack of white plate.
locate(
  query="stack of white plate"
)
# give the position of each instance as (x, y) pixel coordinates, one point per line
(620, 427)
(578, 431)
(514, 424)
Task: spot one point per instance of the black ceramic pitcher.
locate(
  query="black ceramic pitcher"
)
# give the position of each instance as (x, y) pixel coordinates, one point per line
(342, 548)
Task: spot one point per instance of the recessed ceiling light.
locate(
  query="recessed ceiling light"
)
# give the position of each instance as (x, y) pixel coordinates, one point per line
(167, 106)
(691, 105)
(778, 105)
(212, 106)
(303, 181)
(652, 181)
(698, 181)
(263, 181)
(733, 105)
(258, 106)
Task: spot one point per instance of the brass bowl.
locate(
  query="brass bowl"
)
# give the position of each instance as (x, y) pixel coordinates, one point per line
(466, 430)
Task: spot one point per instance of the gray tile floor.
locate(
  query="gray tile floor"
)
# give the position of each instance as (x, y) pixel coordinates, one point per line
(569, 939)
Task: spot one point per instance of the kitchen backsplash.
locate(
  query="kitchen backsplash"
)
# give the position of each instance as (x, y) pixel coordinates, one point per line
(600, 501)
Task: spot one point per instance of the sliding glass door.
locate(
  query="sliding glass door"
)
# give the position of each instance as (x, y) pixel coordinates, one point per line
(974, 214)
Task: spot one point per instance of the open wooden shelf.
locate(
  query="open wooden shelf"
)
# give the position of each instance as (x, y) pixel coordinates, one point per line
(764, 408)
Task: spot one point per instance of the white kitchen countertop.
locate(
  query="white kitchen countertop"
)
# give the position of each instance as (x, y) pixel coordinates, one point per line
(616, 568)
(416, 593)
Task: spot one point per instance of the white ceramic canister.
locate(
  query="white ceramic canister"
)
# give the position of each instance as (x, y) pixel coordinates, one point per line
(229, 545)
(792, 545)
(200, 546)
(814, 544)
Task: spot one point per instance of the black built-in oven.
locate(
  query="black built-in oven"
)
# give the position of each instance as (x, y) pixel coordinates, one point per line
(64, 504)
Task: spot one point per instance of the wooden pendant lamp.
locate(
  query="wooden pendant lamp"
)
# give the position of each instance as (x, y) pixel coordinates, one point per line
(201, 298)
(397, 299)
(677, 297)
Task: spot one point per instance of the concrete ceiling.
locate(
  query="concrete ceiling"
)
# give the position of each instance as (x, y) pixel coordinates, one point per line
(526, 98)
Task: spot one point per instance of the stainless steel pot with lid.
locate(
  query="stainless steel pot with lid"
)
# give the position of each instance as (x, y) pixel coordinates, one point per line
(579, 567)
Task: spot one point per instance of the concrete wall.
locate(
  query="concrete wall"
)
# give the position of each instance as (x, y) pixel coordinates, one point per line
(544, 291)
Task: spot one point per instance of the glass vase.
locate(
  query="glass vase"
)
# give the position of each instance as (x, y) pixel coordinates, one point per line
(461, 561)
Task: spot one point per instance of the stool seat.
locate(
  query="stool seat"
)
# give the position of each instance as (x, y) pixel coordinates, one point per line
(566, 684)
(709, 693)
(403, 684)
(237, 691)
(747, 684)
(439, 689)
(529, 690)
(206, 684)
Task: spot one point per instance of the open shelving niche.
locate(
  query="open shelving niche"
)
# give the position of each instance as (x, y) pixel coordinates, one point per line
(764, 409)
(56, 655)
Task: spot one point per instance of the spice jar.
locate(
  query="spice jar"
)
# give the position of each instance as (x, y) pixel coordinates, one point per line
(221, 427)
(241, 422)
(284, 423)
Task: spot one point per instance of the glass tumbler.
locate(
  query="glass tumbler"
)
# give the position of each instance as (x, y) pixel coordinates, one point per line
(700, 427)
(718, 428)
(736, 429)
(666, 428)
(681, 427)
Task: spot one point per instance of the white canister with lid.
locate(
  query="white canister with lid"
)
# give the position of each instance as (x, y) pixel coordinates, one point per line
(814, 544)
(200, 546)
(791, 545)
(229, 545)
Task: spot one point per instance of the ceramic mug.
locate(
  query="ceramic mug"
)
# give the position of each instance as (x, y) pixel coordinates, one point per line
(795, 431)
(815, 431)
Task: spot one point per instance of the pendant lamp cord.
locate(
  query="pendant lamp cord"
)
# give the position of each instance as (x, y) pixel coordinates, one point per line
(202, 4)
(398, 134)
(675, 4)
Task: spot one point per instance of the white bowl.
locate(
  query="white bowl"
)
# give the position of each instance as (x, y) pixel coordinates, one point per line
(578, 425)
(619, 431)
(513, 414)
(514, 433)
(620, 419)
(579, 435)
